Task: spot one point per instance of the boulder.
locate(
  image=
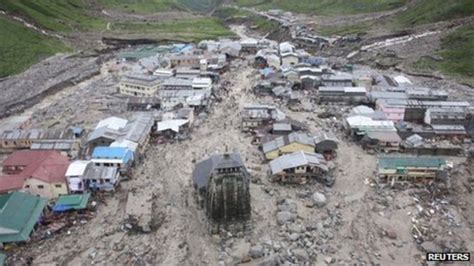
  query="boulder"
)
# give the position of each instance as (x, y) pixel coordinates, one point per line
(284, 217)
(256, 251)
(301, 254)
(293, 236)
(319, 199)
(287, 205)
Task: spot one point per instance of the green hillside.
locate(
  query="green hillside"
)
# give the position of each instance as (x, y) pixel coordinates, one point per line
(428, 11)
(140, 6)
(71, 18)
(56, 15)
(23, 47)
(256, 22)
(456, 56)
(324, 7)
(198, 5)
(189, 30)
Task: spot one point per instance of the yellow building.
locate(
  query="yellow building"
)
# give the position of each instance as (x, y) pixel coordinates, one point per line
(140, 85)
(44, 189)
(288, 144)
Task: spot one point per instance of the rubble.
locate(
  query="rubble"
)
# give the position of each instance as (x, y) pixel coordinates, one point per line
(139, 211)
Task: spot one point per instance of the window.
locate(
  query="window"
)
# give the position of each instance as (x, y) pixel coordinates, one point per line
(107, 180)
(40, 186)
(27, 186)
(58, 186)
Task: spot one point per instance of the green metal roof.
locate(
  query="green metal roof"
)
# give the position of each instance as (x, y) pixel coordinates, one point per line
(72, 202)
(19, 212)
(393, 162)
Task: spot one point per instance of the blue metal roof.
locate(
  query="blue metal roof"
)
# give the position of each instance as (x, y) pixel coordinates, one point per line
(112, 153)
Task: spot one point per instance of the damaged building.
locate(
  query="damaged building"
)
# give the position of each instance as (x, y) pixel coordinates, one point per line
(393, 169)
(288, 144)
(300, 167)
(222, 187)
(254, 116)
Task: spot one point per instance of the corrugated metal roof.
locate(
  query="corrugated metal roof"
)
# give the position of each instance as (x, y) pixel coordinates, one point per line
(282, 141)
(113, 122)
(388, 136)
(100, 172)
(362, 109)
(321, 136)
(394, 162)
(34, 134)
(364, 121)
(281, 127)
(48, 166)
(119, 153)
(141, 79)
(77, 168)
(171, 124)
(175, 82)
(19, 213)
(296, 159)
(62, 145)
(415, 140)
(71, 202)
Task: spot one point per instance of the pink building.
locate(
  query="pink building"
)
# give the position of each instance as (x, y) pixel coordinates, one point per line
(392, 113)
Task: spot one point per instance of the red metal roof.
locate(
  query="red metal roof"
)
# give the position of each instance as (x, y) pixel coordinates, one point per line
(48, 166)
(26, 157)
(10, 183)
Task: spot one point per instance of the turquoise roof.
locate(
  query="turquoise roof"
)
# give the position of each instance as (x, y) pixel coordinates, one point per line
(19, 212)
(72, 202)
(394, 162)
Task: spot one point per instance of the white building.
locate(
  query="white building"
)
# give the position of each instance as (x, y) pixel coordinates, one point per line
(74, 176)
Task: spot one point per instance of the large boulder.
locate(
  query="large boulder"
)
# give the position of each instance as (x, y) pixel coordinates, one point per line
(319, 199)
(301, 254)
(285, 217)
(256, 251)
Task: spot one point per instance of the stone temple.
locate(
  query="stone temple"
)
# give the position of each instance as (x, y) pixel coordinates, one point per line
(221, 183)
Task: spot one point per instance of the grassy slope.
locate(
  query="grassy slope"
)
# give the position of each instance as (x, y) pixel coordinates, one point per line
(56, 15)
(456, 49)
(184, 30)
(203, 6)
(457, 56)
(257, 22)
(78, 15)
(23, 47)
(325, 7)
(428, 11)
(140, 6)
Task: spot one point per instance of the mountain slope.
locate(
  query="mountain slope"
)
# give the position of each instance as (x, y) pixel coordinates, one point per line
(324, 7)
(23, 46)
(83, 24)
(429, 11)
